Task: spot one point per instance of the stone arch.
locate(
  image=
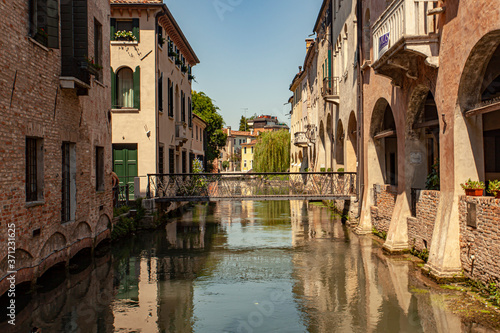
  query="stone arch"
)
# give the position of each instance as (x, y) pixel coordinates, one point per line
(330, 141)
(352, 143)
(382, 144)
(480, 86)
(56, 242)
(474, 75)
(339, 145)
(103, 224)
(82, 231)
(421, 137)
(24, 259)
(321, 148)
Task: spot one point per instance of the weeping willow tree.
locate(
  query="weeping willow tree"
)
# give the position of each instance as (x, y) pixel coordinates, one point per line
(272, 152)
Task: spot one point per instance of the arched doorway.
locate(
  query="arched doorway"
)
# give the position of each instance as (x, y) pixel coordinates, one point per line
(330, 142)
(321, 148)
(339, 146)
(383, 133)
(479, 99)
(352, 144)
(422, 135)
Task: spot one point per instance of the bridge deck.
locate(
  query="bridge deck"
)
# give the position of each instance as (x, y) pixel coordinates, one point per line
(252, 186)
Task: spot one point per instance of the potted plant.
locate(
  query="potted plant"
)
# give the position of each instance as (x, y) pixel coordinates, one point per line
(91, 66)
(125, 35)
(473, 188)
(191, 77)
(184, 68)
(494, 188)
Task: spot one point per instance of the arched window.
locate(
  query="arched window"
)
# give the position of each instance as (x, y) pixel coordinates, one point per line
(125, 92)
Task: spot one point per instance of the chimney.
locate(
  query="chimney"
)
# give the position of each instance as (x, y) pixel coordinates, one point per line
(229, 131)
(309, 41)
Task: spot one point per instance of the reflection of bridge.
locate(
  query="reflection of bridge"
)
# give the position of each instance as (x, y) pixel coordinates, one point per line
(252, 186)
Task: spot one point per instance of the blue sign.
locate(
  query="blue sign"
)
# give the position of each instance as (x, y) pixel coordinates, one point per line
(383, 43)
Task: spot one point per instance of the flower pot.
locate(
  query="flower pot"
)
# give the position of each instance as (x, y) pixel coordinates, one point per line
(474, 192)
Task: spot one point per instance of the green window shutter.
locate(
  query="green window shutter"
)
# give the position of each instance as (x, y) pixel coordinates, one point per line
(135, 29)
(53, 24)
(137, 88)
(113, 88)
(329, 63)
(112, 29)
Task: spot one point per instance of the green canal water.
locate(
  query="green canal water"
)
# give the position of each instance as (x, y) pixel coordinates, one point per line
(287, 266)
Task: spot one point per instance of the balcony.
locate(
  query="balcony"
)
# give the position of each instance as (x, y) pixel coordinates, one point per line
(180, 133)
(330, 90)
(300, 139)
(404, 33)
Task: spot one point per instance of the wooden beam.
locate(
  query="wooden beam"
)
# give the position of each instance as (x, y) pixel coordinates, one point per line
(483, 109)
(430, 123)
(384, 134)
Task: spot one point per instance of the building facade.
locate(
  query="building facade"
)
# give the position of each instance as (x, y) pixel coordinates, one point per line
(231, 153)
(247, 154)
(151, 70)
(430, 107)
(55, 187)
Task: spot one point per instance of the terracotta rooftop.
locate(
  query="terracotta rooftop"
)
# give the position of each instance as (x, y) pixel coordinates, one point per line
(136, 1)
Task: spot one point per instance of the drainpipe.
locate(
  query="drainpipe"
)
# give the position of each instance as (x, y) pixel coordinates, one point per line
(157, 113)
(360, 132)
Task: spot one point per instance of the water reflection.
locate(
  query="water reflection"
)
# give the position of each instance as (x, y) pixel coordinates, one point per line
(242, 267)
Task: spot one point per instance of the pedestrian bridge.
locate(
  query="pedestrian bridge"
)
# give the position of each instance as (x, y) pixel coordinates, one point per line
(252, 186)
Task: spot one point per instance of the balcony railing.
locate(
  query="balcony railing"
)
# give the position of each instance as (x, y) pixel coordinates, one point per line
(403, 18)
(300, 139)
(330, 86)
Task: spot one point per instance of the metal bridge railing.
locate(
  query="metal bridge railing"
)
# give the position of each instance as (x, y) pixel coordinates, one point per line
(241, 186)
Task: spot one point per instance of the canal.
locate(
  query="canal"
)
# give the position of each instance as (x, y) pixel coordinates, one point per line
(285, 266)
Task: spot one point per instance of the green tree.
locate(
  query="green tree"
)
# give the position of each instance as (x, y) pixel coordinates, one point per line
(272, 152)
(244, 124)
(205, 108)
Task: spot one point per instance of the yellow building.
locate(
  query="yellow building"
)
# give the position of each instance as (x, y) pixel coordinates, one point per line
(247, 154)
(151, 63)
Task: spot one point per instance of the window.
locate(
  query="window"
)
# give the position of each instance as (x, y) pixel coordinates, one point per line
(191, 162)
(125, 88)
(98, 47)
(34, 169)
(44, 22)
(161, 40)
(245, 150)
(234, 141)
(184, 166)
(171, 161)
(170, 99)
(251, 149)
(190, 112)
(183, 107)
(130, 25)
(68, 202)
(161, 159)
(196, 129)
(99, 168)
(160, 93)
(245, 164)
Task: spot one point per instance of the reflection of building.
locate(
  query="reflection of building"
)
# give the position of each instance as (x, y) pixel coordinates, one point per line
(153, 127)
(55, 181)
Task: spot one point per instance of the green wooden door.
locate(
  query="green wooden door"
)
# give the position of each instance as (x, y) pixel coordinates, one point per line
(125, 166)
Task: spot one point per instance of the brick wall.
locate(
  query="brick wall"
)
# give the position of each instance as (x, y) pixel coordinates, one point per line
(482, 241)
(381, 213)
(421, 227)
(32, 103)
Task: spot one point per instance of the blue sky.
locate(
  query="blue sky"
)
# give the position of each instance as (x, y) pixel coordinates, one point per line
(249, 51)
